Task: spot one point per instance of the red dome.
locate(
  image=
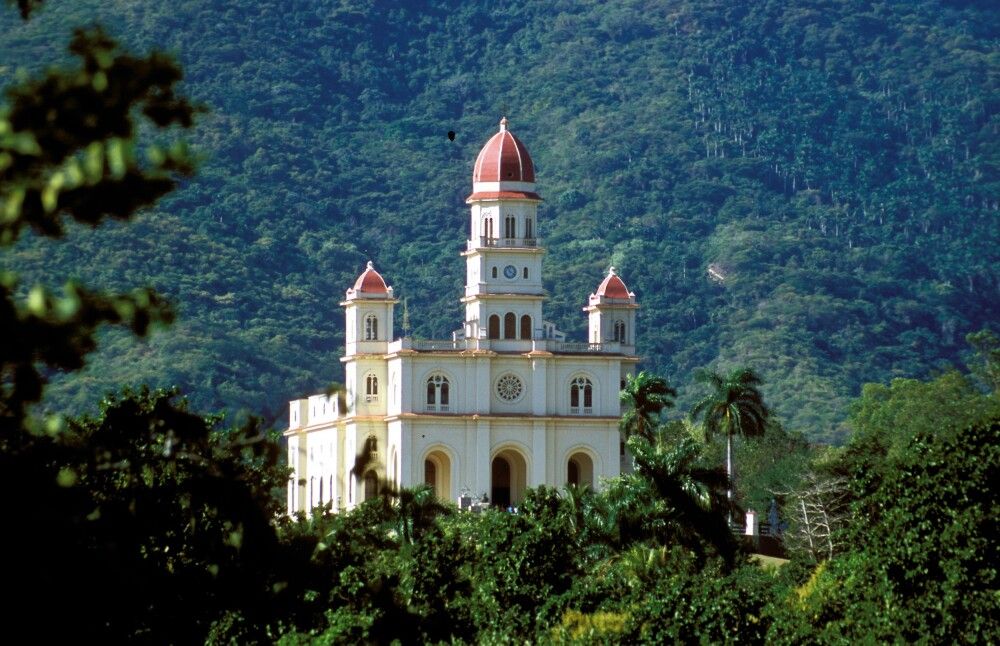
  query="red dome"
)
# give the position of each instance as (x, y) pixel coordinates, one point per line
(503, 159)
(370, 282)
(612, 287)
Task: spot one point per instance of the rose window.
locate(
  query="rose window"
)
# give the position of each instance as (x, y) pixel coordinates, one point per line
(509, 388)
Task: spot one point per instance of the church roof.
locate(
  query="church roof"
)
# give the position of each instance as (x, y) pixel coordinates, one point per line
(503, 195)
(612, 286)
(503, 159)
(370, 282)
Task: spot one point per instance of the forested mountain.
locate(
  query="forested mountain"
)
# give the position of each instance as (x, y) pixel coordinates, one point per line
(835, 163)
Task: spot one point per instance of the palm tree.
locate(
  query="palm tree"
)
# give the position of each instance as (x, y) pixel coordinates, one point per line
(644, 397)
(734, 407)
(670, 498)
(416, 511)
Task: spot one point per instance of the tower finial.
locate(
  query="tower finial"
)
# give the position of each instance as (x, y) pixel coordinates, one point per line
(371, 265)
(503, 124)
(611, 271)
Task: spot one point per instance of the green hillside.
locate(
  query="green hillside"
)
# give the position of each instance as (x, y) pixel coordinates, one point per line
(836, 162)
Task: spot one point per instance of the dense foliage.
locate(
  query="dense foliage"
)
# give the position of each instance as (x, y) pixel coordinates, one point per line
(923, 562)
(147, 522)
(835, 164)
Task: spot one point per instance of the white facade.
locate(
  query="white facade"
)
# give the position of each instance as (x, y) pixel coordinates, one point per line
(504, 405)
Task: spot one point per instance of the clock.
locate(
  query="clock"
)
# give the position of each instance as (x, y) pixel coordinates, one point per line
(509, 272)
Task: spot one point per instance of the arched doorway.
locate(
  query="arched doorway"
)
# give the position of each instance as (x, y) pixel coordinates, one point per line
(371, 486)
(437, 473)
(508, 478)
(580, 470)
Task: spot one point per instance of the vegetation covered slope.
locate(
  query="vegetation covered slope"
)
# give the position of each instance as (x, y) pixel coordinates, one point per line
(835, 163)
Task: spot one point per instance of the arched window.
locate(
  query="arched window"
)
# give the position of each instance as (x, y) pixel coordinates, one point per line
(371, 327)
(371, 447)
(510, 227)
(526, 273)
(528, 233)
(494, 274)
(371, 388)
(525, 327)
(581, 397)
(510, 326)
(437, 394)
(620, 331)
(494, 327)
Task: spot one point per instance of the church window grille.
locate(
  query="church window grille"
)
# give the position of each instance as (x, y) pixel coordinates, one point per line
(488, 229)
(510, 227)
(510, 388)
(620, 331)
(371, 447)
(371, 388)
(525, 327)
(528, 233)
(371, 327)
(510, 326)
(494, 327)
(581, 397)
(437, 394)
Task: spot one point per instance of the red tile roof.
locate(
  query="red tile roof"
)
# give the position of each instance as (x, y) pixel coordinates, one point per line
(503, 195)
(612, 287)
(370, 282)
(503, 159)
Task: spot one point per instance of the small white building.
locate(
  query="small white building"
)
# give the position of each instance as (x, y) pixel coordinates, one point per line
(505, 404)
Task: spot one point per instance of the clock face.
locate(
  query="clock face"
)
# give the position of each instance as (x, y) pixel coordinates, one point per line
(510, 271)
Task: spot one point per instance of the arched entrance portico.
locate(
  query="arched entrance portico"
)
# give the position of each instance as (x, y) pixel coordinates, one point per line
(437, 473)
(508, 478)
(580, 469)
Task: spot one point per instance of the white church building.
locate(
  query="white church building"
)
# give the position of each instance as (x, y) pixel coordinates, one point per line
(507, 403)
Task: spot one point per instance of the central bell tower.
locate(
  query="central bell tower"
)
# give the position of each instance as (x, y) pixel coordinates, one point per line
(503, 279)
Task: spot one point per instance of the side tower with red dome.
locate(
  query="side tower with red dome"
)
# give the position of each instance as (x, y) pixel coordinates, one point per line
(611, 313)
(368, 314)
